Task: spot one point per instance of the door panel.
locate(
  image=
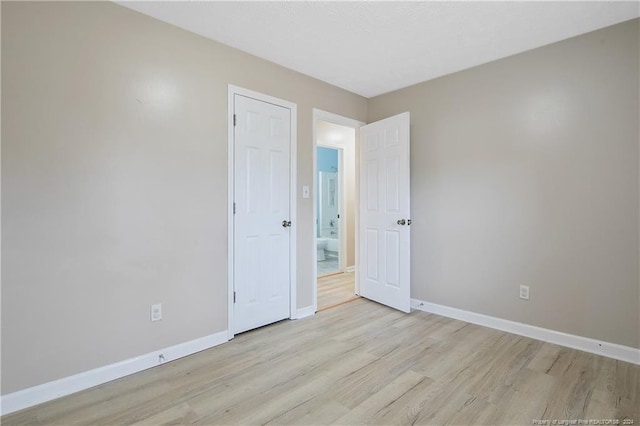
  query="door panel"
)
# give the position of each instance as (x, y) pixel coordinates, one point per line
(384, 184)
(371, 258)
(392, 181)
(261, 194)
(392, 247)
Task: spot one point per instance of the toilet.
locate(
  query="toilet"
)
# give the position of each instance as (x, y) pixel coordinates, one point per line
(321, 245)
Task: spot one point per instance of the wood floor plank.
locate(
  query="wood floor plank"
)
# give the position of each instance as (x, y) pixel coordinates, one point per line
(475, 412)
(177, 414)
(366, 412)
(277, 401)
(335, 289)
(356, 363)
(317, 411)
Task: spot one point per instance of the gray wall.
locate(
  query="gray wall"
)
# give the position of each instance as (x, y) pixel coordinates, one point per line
(525, 171)
(114, 183)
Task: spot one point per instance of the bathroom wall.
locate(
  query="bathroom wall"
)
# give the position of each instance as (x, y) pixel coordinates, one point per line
(327, 159)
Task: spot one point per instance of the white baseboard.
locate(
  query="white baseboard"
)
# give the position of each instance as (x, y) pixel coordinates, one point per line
(51, 390)
(611, 350)
(351, 269)
(304, 312)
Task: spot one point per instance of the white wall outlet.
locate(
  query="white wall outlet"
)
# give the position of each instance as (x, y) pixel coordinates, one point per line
(305, 192)
(156, 312)
(524, 292)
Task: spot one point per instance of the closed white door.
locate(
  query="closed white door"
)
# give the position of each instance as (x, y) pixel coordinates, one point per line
(262, 139)
(385, 212)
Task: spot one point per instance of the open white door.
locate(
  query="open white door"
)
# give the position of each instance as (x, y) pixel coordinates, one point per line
(384, 212)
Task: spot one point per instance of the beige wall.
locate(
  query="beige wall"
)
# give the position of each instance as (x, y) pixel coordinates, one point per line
(114, 183)
(525, 171)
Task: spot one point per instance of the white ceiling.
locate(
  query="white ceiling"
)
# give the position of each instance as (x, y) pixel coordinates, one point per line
(371, 47)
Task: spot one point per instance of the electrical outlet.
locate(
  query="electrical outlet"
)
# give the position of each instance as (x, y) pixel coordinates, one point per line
(156, 312)
(524, 292)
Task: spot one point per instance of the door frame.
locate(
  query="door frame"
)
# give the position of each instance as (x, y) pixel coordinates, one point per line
(232, 91)
(320, 115)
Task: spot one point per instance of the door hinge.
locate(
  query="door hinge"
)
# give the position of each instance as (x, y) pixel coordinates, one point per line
(234, 297)
(234, 208)
(234, 120)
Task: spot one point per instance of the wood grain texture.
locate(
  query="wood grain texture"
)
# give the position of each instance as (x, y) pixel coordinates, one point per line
(335, 289)
(361, 363)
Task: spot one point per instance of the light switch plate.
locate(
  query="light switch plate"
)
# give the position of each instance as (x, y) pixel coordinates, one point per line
(156, 312)
(305, 192)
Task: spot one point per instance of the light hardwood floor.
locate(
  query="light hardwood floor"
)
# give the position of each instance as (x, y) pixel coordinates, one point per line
(335, 289)
(361, 362)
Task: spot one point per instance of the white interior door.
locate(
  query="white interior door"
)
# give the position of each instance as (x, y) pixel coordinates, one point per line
(385, 212)
(262, 139)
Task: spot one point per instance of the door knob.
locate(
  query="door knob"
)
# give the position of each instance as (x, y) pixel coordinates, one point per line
(286, 223)
(401, 222)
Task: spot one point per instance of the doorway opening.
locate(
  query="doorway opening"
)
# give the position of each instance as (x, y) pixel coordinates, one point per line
(329, 188)
(335, 208)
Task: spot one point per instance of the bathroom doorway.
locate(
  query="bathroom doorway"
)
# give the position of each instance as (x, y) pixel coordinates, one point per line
(330, 259)
(335, 208)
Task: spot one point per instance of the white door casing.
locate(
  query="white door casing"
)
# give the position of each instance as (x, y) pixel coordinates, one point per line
(385, 212)
(262, 219)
